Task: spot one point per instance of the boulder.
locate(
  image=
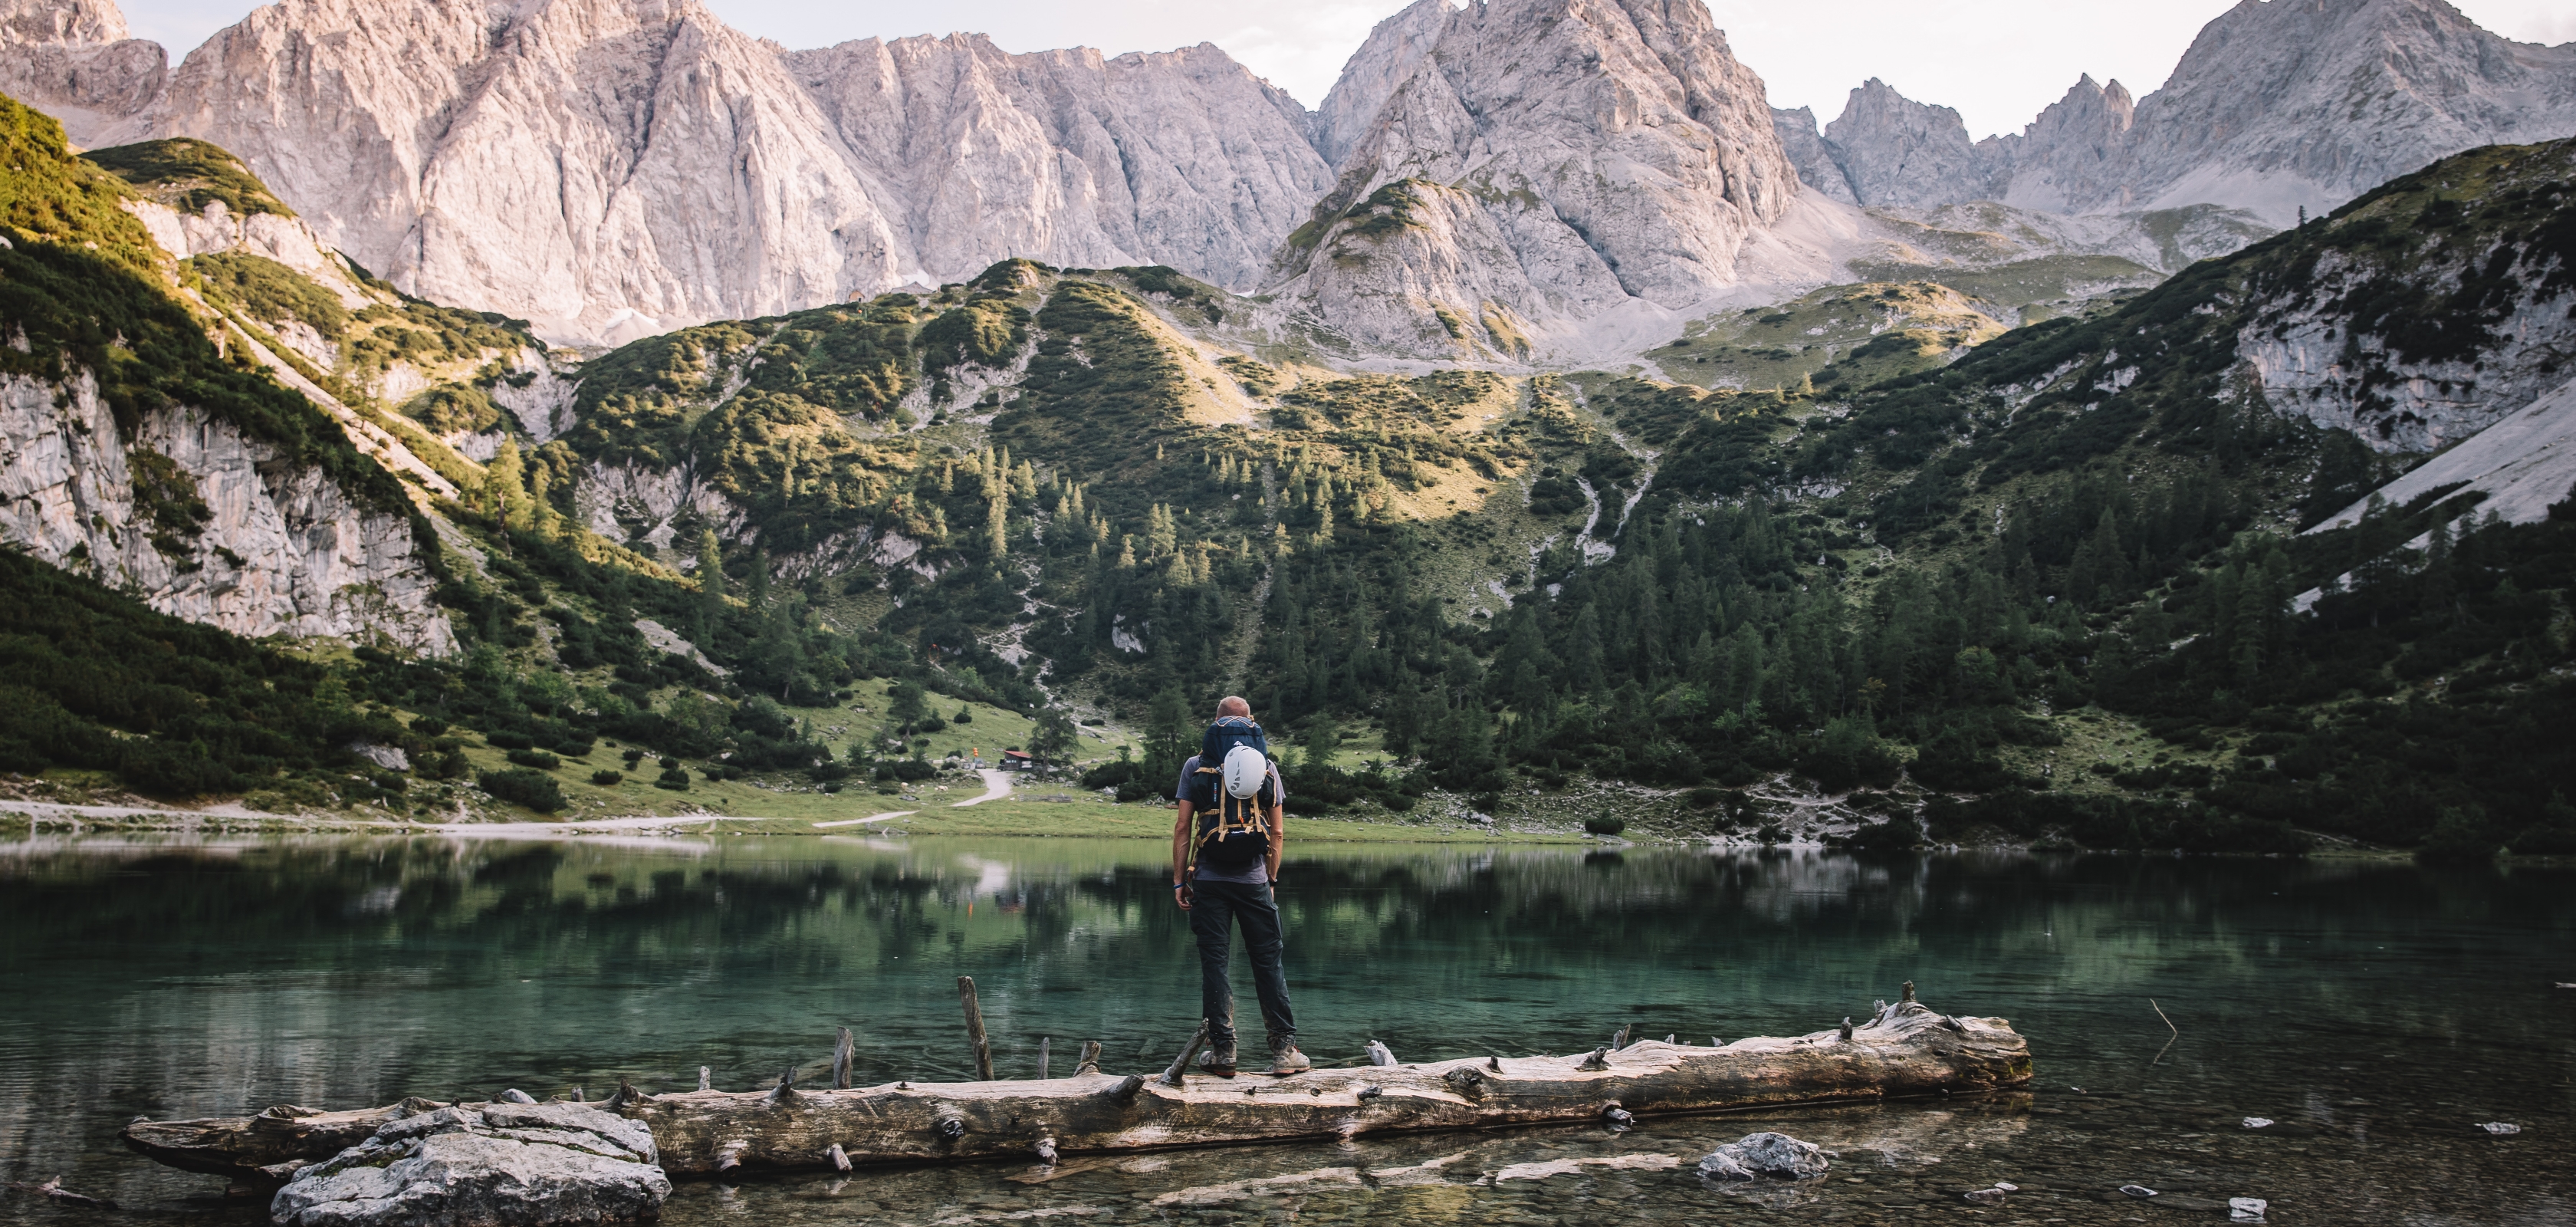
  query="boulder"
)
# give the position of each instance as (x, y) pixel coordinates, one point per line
(1765, 1154)
(501, 1165)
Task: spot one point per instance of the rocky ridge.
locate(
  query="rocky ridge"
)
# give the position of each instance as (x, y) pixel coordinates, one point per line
(698, 173)
(2276, 108)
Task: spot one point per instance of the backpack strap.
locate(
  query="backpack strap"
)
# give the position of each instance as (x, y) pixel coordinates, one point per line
(1197, 840)
(1245, 815)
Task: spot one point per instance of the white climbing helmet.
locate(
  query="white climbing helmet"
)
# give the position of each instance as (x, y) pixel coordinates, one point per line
(1245, 769)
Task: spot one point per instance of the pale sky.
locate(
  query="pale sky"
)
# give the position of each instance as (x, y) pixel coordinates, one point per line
(1997, 61)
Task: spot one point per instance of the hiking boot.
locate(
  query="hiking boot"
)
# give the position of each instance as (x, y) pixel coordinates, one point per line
(1219, 1060)
(1286, 1060)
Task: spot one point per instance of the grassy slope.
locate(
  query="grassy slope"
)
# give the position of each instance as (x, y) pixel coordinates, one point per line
(1460, 478)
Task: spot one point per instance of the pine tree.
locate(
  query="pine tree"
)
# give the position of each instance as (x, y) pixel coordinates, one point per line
(711, 585)
(507, 478)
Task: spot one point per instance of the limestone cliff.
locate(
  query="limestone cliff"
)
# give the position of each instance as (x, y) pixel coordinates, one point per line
(202, 523)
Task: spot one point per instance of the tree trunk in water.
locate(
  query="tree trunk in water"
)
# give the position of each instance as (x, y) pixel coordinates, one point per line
(1907, 1050)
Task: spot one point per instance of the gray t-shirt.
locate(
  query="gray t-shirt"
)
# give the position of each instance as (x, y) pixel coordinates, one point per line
(1259, 873)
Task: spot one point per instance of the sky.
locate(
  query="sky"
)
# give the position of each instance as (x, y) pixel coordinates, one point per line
(1997, 61)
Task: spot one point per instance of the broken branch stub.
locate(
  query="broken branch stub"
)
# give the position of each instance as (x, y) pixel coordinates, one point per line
(983, 1049)
(1189, 1053)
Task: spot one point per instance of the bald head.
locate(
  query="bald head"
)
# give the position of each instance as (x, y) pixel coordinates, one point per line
(1233, 705)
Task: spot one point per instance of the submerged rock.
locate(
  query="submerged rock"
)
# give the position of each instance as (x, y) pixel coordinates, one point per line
(1765, 1154)
(505, 1165)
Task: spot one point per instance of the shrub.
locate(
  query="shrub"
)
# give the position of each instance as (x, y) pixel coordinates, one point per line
(535, 758)
(509, 741)
(963, 716)
(1897, 834)
(427, 727)
(675, 778)
(608, 779)
(632, 757)
(533, 789)
(575, 749)
(1605, 824)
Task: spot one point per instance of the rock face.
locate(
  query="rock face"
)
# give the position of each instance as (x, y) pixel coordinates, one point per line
(1896, 151)
(504, 1165)
(279, 550)
(1545, 161)
(72, 59)
(1395, 48)
(608, 169)
(2276, 107)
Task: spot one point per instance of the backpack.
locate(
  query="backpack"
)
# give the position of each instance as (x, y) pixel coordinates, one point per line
(1232, 803)
(1226, 734)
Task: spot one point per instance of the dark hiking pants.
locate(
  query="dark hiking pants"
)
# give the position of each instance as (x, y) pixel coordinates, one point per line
(1215, 907)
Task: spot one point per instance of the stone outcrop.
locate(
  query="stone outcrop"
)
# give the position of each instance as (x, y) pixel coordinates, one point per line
(1818, 163)
(2276, 107)
(275, 550)
(1546, 161)
(497, 1165)
(1766, 1154)
(2313, 360)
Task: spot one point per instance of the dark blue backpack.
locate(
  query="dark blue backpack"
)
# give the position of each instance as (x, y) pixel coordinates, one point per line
(1224, 735)
(1232, 834)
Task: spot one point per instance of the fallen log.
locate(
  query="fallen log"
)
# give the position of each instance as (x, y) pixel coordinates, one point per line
(1906, 1050)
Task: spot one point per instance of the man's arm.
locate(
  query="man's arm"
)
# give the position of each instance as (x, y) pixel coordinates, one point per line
(1181, 852)
(1278, 839)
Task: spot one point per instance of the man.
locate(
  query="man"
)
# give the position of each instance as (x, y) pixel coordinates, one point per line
(1217, 895)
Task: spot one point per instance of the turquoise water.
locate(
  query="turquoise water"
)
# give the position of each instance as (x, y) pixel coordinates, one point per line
(2377, 1011)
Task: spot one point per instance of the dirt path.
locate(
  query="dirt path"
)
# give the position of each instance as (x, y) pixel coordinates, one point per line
(997, 785)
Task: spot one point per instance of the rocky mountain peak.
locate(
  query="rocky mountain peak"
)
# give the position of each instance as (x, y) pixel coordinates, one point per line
(1394, 48)
(1546, 160)
(2276, 107)
(1894, 150)
(613, 168)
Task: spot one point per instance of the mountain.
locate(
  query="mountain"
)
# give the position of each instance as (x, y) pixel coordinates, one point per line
(2277, 107)
(2095, 580)
(697, 173)
(1544, 162)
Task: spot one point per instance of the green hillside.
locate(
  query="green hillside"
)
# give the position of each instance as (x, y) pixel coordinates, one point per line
(1864, 564)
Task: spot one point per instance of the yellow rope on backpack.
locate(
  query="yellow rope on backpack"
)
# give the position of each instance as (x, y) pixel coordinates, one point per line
(1233, 814)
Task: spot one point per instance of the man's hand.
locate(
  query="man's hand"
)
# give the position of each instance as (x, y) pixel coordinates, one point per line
(1181, 895)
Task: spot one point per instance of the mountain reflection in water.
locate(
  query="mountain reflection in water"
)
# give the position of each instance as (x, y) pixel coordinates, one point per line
(2377, 1010)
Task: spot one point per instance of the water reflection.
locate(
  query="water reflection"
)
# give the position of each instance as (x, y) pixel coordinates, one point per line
(2370, 1004)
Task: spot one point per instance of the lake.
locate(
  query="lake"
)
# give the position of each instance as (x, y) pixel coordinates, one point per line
(2378, 1012)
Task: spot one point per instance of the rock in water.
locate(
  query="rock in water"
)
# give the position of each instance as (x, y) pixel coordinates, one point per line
(2247, 1209)
(1765, 1154)
(505, 1165)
